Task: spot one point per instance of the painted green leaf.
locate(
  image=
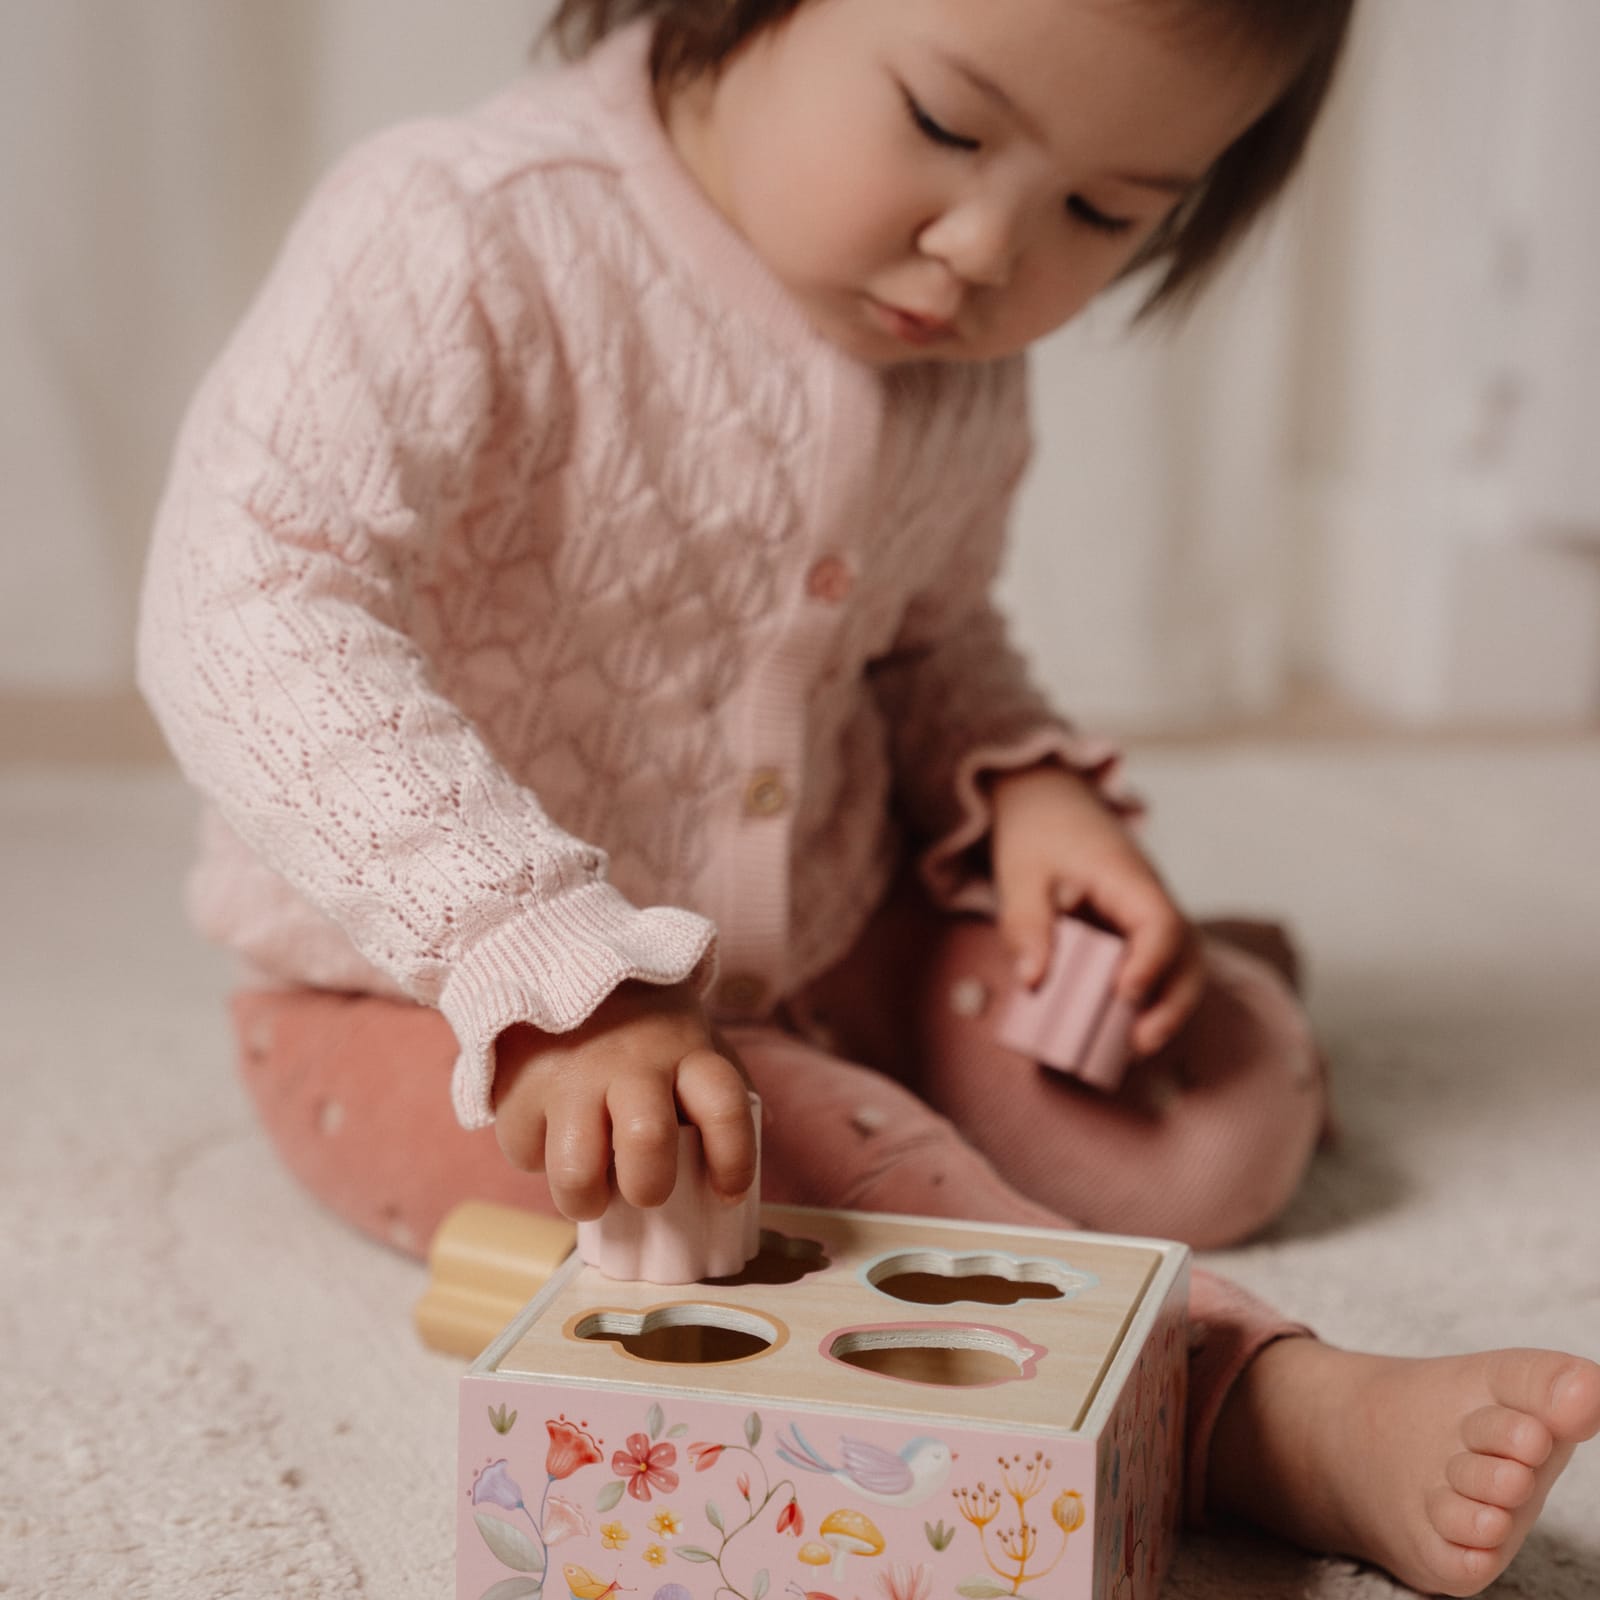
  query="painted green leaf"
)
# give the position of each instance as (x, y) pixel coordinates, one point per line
(752, 1429)
(515, 1589)
(609, 1495)
(982, 1589)
(677, 1430)
(759, 1587)
(714, 1517)
(693, 1552)
(510, 1545)
(653, 1420)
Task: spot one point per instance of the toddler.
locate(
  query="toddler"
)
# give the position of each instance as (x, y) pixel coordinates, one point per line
(571, 596)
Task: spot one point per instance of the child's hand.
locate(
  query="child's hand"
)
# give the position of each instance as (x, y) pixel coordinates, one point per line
(1057, 847)
(571, 1104)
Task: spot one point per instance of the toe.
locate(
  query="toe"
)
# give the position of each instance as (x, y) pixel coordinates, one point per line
(1461, 1521)
(1575, 1413)
(1494, 1480)
(1505, 1431)
(1562, 1391)
(1447, 1568)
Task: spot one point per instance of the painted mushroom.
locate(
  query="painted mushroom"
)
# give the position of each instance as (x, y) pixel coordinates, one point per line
(849, 1533)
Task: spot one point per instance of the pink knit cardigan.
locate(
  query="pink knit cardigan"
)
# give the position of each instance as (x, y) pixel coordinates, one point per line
(540, 603)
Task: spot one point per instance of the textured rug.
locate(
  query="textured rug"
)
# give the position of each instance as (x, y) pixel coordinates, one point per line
(208, 1388)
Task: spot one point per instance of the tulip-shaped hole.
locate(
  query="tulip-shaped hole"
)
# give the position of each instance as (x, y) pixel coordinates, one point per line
(682, 1335)
(943, 1278)
(950, 1356)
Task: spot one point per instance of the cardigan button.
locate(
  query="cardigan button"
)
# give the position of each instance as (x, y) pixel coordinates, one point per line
(766, 795)
(830, 580)
(742, 992)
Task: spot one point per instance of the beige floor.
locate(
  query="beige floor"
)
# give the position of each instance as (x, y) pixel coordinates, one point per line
(208, 1389)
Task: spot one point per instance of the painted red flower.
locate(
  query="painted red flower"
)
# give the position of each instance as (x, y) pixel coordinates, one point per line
(705, 1455)
(571, 1447)
(790, 1520)
(646, 1466)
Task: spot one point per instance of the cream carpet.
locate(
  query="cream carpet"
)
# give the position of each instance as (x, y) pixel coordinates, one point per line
(208, 1389)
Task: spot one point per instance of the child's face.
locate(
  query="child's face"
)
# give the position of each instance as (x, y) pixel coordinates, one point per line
(952, 179)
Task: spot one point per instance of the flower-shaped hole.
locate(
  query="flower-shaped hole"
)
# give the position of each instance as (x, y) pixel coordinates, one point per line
(682, 1335)
(781, 1260)
(942, 1278)
(948, 1355)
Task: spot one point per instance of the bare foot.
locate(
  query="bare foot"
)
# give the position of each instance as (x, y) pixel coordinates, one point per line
(1434, 1470)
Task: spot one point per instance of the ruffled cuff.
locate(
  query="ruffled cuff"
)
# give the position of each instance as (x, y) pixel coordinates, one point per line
(553, 968)
(955, 866)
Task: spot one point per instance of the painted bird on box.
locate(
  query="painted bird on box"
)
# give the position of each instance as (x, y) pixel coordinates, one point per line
(892, 1479)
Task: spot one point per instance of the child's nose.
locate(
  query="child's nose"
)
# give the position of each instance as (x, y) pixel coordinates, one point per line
(979, 242)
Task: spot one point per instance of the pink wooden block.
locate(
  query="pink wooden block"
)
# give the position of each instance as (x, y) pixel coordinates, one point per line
(695, 1235)
(1073, 1021)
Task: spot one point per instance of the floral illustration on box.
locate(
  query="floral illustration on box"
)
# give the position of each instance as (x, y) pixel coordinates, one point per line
(758, 1494)
(1016, 1545)
(750, 1493)
(571, 1448)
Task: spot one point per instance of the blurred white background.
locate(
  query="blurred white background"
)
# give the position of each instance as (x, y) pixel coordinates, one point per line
(1366, 466)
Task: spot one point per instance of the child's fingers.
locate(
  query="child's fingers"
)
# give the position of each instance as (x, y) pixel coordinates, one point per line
(644, 1136)
(1178, 997)
(1155, 933)
(1161, 974)
(713, 1096)
(577, 1155)
(518, 1100)
(522, 1132)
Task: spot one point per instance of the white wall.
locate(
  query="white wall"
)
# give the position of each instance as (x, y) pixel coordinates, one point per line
(152, 152)
(1446, 466)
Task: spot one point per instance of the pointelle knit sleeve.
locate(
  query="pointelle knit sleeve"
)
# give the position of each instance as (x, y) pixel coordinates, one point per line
(960, 706)
(397, 375)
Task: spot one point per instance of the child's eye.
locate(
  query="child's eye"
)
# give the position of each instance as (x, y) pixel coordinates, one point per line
(1093, 217)
(936, 131)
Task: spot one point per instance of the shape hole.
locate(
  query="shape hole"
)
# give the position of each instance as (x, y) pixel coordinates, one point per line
(682, 1335)
(940, 1278)
(949, 1358)
(781, 1260)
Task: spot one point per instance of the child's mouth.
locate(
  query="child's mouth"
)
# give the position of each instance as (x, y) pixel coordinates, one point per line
(909, 326)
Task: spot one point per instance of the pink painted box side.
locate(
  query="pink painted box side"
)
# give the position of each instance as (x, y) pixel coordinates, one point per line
(1139, 1486)
(569, 1491)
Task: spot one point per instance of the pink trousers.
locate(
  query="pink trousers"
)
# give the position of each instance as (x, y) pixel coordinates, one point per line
(879, 1094)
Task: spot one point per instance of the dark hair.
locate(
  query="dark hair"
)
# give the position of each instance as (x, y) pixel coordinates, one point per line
(695, 37)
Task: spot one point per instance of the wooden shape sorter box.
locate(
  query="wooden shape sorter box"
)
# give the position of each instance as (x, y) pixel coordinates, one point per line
(876, 1408)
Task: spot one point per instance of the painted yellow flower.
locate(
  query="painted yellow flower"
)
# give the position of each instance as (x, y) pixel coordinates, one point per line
(612, 1536)
(665, 1524)
(655, 1555)
(1068, 1511)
